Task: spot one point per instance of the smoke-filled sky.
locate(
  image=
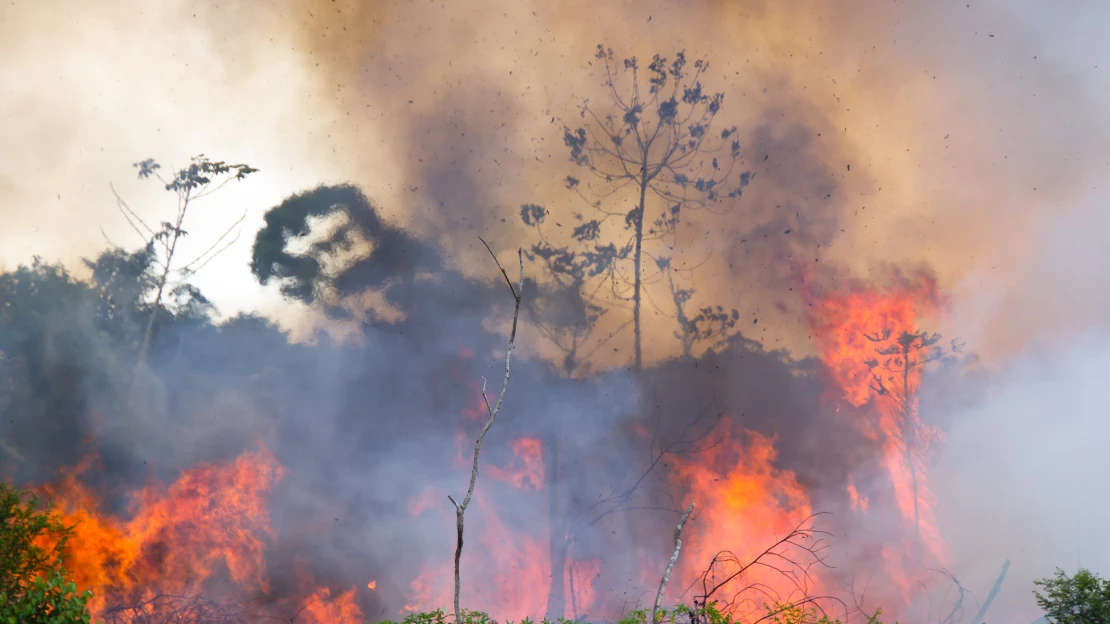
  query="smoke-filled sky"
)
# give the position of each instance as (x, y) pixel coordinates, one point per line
(969, 129)
(967, 138)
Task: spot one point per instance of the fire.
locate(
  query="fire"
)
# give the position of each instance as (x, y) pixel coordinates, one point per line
(745, 504)
(841, 322)
(580, 580)
(204, 535)
(510, 569)
(321, 608)
(527, 470)
(860, 502)
(851, 328)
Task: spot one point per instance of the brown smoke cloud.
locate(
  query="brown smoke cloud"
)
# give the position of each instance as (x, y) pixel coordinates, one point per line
(936, 134)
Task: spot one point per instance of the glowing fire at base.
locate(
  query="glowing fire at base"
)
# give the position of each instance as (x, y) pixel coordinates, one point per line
(206, 534)
(194, 545)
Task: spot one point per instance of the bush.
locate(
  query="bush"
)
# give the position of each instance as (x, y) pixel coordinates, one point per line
(34, 588)
(709, 614)
(1080, 599)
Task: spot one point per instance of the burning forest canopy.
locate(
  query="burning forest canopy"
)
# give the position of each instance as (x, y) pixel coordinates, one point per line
(744, 358)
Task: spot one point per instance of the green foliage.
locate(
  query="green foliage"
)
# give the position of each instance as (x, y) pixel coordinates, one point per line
(798, 614)
(33, 584)
(708, 614)
(440, 616)
(1080, 599)
(31, 539)
(49, 600)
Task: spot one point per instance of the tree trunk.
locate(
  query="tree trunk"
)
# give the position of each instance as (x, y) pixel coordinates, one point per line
(556, 592)
(909, 438)
(637, 270)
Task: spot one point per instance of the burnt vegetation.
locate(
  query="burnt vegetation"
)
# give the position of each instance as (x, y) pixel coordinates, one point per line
(129, 362)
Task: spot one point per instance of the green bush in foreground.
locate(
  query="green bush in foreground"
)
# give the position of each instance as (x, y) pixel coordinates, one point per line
(50, 600)
(1080, 599)
(779, 614)
(33, 584)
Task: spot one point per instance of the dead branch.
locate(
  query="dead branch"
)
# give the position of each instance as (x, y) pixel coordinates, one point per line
(992, 595)
(674, 559)
(460, 508)
(791, 558)
(956, 613)
(171, 609)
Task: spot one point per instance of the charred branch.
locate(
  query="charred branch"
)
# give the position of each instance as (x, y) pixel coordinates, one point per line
(793, 558)
(492, 410)
(670, 564)
(992, 595)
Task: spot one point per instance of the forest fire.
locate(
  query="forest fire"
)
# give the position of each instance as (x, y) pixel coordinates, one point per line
(187, 551)
(748, 506)
(875, 355)
(201, 542)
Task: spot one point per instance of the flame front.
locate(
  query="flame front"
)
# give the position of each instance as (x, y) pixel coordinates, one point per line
(864, 335)
(745, 506)
(202, 538)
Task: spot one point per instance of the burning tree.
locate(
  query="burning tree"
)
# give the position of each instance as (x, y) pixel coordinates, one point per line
(896, 376)
(655, 146)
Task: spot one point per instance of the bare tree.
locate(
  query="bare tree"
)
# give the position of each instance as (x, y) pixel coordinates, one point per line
(952, 610)
(566, 310)
(492, 410)
(182, 609)
(895, 378)
(199, 179)
(670, 564)
(728, 583)
(654, 145)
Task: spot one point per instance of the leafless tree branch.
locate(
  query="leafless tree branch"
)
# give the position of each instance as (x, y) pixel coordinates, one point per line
(460, 508)
(791, 559)
(674, 560)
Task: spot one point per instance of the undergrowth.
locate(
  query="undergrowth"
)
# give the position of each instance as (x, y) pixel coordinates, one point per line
(709, 614)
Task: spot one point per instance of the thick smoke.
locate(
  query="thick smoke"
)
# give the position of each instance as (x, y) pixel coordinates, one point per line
(1023, 447)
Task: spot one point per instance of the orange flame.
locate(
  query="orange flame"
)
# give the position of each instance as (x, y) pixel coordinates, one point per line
(321, 608)
(744, 505)
(527, 470)
(514, 568)
(860, 502)
(849, 327)
(212, 524)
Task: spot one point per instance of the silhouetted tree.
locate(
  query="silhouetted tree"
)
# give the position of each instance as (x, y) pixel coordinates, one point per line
(895, 376)
(199, 179)
(654, 146)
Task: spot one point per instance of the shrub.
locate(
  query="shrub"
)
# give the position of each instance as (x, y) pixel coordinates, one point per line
(34, 588)
(1080, 599)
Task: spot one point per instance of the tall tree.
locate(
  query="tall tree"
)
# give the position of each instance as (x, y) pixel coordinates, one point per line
(654, 145)
(199, 179)
(896, 374)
